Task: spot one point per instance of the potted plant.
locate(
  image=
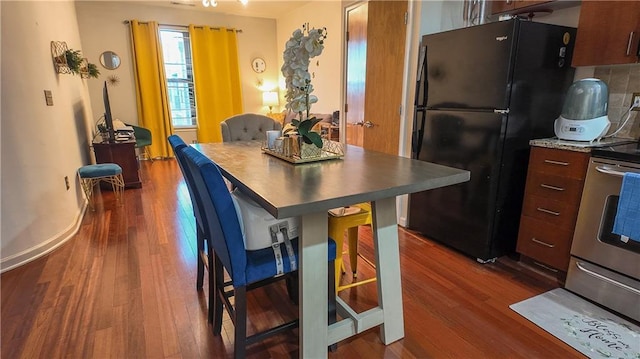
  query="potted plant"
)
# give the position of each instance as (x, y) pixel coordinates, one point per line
(77, 65)
(303, 45)
(74, 60)
(92, 70)
(103, 131)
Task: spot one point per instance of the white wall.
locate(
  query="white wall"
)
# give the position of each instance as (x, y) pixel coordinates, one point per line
(328, 75)
(101, 28)
(40, 144)
(437, 16)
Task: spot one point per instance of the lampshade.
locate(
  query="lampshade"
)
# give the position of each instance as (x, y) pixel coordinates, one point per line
(270, 98)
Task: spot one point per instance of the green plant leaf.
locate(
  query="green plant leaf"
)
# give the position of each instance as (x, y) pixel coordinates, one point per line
(304, 130)
(74, 59)
(306, 125)
(313, 137)
(93, 70)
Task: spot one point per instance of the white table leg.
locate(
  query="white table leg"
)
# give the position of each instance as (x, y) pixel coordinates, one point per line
(385, 238)
(313, 283)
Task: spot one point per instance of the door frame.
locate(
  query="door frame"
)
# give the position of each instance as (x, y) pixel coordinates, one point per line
(345, 62)
(412, 48)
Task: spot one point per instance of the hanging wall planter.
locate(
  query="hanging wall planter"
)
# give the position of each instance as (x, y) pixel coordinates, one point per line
(58, 53)
(69, 61)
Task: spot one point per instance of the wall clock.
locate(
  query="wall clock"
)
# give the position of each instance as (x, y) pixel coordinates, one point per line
(258, 65)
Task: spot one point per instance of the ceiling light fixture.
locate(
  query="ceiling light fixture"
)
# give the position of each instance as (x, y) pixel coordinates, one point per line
(244, 2)
(207, 3)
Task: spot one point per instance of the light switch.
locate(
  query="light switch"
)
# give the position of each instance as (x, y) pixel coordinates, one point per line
(48, 96)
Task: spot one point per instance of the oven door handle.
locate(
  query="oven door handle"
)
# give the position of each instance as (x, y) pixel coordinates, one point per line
(605, 170)
(608, 280)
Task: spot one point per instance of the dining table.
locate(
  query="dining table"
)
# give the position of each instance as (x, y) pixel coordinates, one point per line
(309, 191)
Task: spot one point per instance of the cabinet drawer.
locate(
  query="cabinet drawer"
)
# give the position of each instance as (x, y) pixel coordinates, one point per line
(554, 187)
(544, 242)
(557, 213)
(559, 162)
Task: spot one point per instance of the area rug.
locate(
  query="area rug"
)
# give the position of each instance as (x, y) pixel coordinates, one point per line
(586, 327)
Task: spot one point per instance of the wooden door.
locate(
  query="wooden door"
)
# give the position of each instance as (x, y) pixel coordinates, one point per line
(355, 134)
(386, 29)
(356, 73)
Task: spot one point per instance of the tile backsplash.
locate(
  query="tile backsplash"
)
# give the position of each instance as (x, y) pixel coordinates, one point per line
(623, 81)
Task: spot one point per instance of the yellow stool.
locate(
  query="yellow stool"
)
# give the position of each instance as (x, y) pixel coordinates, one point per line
(350, 222)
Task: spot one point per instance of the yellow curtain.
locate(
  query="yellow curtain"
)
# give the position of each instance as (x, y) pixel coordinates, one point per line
(216, 78)
(151, 85)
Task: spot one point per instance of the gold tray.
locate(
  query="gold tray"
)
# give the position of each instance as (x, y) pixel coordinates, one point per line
(331, 150)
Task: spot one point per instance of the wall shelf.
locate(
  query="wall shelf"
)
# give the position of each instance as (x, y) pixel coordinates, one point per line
(58, 53)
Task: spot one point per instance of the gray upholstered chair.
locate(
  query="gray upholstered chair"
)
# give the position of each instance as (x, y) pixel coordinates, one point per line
(247, 127)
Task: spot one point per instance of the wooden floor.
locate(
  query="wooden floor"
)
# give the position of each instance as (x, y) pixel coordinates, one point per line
(124, 287)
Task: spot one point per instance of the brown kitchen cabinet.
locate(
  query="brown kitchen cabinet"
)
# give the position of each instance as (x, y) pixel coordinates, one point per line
(608, 33)
(552, 196)
(511, 6)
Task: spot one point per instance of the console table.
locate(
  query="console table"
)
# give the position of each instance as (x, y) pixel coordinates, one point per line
(122, 153)
(331, 131)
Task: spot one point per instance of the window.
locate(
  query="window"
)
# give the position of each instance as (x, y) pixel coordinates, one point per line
(176, 50)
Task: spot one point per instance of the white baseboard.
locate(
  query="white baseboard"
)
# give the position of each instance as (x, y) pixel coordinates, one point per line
(45, 247)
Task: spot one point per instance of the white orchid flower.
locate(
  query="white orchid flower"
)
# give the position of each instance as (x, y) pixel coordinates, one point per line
(303, 45)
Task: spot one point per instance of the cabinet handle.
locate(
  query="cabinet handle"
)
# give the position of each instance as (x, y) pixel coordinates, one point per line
(548, 186)
(544, 210)
(556, 162)
(543, 243)
(629, 43)
(545, 267)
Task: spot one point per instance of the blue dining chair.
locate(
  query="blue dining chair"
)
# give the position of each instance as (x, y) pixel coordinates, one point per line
(247, 269)
(204, 256)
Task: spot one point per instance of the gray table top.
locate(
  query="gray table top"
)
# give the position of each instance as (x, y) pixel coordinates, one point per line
(285, 189)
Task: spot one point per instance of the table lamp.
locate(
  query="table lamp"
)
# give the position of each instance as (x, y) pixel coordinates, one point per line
(270, 98)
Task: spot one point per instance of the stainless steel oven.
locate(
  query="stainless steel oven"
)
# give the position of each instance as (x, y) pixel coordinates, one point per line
(604, 266)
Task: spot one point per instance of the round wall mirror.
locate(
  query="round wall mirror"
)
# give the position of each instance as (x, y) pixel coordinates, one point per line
(109, 60)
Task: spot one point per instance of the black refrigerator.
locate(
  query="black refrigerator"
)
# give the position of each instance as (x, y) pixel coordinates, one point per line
(482, 93)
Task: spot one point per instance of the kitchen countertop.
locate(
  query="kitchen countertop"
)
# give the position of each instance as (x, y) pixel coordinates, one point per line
(578, 146)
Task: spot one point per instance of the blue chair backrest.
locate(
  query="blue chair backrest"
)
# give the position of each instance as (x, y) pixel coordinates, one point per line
(178, 146)
(218, 210)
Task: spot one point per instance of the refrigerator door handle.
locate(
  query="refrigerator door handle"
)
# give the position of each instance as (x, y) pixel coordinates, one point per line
(503, 112)
(420, 78)
(418, 131)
